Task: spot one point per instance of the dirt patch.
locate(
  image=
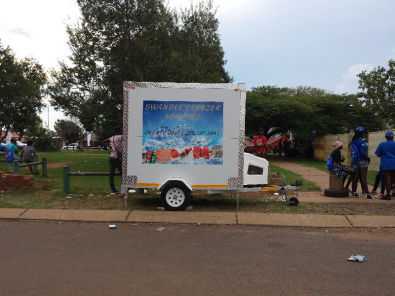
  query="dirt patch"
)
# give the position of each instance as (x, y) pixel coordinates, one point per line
(56, 165)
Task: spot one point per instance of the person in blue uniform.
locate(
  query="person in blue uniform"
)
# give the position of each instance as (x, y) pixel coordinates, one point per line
(386, 152)
(360, 161)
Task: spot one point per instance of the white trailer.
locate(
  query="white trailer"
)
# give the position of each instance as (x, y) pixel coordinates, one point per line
(180, 138)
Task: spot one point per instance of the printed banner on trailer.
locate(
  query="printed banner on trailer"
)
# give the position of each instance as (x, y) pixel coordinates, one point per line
(182, 132)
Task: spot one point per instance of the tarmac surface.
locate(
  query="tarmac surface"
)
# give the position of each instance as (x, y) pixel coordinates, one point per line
(68, 258)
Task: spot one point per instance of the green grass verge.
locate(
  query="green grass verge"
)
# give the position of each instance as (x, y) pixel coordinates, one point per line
(92, 192)
(291, 177)
(48, 192)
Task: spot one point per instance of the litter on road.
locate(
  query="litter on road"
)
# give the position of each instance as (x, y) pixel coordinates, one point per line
(358, 258)
(112, 226)
(160, 229)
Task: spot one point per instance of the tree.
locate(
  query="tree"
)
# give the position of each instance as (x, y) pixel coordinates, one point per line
(68, 130)
(21, 91)
(43, 139)
(133, 40)
(378, 91)
(306, 112)
(199, 56)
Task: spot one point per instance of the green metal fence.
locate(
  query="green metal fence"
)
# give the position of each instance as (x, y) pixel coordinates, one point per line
(67, 174)
(17, 165)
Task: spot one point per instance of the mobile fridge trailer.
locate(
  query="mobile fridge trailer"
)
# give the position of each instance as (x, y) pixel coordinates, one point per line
(180, 138)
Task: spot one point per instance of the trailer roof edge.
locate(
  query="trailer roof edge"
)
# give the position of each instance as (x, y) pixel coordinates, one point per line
(232, 86)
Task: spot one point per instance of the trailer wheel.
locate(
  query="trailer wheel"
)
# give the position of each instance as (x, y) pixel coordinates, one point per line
(175, 196)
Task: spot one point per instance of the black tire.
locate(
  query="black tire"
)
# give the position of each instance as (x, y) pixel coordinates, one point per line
(336, 193)
(175, 196)
(293, 201)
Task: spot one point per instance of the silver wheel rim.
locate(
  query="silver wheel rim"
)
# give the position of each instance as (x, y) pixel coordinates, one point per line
(175, 197)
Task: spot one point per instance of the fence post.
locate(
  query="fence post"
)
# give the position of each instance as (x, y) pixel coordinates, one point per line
(44, 169)
(66, 179)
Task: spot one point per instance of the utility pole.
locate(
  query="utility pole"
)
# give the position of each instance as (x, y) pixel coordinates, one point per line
(48, 116)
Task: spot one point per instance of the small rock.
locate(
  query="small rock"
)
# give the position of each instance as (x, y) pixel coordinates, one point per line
(113, 226)
(160, 229)
(69, 196)
(91, 195)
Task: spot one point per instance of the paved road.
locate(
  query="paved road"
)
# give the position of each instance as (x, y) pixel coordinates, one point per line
(89, 259)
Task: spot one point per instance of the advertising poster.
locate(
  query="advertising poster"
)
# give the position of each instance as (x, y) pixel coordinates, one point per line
(182, 133)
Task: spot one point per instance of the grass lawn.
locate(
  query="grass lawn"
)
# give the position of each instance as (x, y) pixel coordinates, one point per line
(93, 192)
(48, 192)
(291, 177)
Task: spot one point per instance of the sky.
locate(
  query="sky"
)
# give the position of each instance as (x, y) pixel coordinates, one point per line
(319, 43)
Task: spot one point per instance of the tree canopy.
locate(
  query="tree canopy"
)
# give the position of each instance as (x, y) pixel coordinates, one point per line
(306, 111)
(68, 130)
(378, 91)
(21, 91)
(133, 40)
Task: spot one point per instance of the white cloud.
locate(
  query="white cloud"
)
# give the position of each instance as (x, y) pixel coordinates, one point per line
(20, 32)
(349, 80)
(230, 10)
(37, 28)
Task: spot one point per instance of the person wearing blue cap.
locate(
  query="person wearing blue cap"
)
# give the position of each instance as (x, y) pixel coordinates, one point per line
(360, 161)
(386, 152)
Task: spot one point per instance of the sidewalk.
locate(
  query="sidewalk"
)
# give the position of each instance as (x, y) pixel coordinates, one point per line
(190, 217)
(318, 197)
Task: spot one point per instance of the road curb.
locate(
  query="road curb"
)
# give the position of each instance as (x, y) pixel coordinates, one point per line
(205, 218)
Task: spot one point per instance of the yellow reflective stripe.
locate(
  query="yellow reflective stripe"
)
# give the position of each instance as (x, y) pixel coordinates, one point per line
(218, 186)
(148, 184)
(200, 186)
